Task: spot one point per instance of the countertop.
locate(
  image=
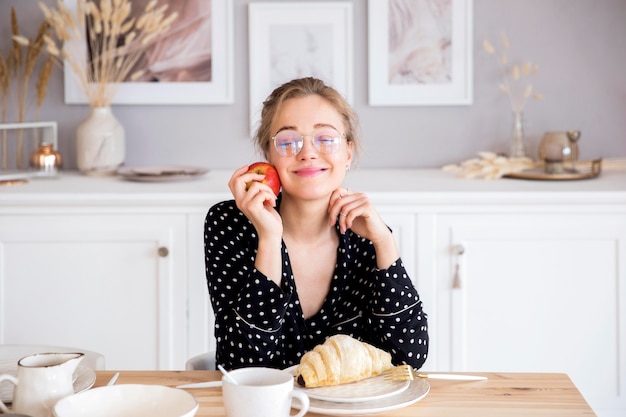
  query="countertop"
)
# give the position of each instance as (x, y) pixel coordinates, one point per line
(415, 186)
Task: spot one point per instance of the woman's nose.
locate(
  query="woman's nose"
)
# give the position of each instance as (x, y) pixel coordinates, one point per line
(308, 149)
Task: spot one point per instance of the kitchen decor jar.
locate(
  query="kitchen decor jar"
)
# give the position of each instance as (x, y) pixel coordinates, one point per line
(46, 159)
(100, 143)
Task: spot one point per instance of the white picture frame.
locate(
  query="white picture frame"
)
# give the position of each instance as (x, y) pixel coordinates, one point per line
(279, 32)
(440, 34)
(220, 90)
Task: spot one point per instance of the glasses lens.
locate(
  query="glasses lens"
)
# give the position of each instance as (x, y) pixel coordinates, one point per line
(288, 142)
(327, 140)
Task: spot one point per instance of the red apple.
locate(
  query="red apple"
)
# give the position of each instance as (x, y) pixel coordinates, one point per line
(271, 175)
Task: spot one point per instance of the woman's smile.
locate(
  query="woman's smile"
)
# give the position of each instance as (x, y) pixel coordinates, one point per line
(310, 171)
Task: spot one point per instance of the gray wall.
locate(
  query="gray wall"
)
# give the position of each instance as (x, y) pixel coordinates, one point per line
(580, 46)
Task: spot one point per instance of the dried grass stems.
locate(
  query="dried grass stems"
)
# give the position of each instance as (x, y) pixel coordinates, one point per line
(16, 70)
(5, 85)
(516, 83)
(115, 42)
(489, 165)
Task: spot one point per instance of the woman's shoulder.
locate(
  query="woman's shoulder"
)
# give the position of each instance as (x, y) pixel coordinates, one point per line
(224, 211)
(223, 205)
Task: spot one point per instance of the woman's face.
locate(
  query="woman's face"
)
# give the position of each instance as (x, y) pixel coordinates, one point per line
(310, 173)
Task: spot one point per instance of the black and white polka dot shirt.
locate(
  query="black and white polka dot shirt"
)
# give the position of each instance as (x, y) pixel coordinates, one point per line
(258, 323)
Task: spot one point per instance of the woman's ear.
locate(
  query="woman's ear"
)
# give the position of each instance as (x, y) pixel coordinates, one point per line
(349, 155)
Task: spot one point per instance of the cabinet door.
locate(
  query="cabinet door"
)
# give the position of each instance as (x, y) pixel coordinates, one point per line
(115, 284)
(201, 317)
(404, 230)
(536, 293)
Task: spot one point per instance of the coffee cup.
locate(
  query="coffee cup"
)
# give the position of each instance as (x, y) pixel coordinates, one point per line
(262, 392)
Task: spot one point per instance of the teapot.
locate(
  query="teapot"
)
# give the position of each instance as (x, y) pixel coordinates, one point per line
(42, 379)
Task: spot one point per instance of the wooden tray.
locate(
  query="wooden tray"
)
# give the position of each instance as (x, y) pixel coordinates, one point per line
(540, 174)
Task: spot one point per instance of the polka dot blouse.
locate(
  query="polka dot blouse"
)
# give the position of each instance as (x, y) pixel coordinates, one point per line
(258, 323)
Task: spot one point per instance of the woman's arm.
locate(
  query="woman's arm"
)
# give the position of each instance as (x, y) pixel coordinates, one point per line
(257, 202)
(249, 308)
(397, 312)
(394, 315)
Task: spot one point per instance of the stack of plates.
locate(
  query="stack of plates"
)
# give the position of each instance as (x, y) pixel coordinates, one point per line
(370, 396)
(161, 173)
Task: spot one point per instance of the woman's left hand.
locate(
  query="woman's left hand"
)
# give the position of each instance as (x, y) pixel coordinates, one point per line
(356, 212)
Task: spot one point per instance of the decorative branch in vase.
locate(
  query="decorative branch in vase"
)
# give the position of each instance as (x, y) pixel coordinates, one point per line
(517, 86)
(115, 41)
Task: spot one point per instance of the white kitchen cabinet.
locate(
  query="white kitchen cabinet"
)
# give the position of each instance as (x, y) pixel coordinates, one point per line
(538, 292)
(112, 283)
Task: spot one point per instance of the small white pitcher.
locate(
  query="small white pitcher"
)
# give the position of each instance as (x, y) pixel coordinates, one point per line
(42, 380)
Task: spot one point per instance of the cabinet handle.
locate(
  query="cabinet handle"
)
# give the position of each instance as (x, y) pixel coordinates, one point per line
(456, 281)
(163, 252)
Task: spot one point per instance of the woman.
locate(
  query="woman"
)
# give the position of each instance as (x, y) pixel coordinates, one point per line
(284, 273)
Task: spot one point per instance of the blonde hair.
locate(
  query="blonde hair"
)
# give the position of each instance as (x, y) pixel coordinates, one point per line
(302, 87)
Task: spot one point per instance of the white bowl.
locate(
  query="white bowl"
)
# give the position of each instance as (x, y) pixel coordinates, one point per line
(128, 400)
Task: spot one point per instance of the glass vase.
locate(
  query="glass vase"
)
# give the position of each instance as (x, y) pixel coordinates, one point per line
(517, 138)
(100, 143)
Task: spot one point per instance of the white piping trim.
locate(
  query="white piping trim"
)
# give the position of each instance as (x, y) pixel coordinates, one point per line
(398, 312)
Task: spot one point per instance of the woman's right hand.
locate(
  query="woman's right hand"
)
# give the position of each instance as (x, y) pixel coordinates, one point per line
(258, 202)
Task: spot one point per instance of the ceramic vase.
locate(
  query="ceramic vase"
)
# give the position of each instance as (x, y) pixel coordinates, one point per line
(517, 137)
(100, 143)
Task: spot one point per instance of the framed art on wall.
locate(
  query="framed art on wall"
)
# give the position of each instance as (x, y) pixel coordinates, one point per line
(192, 63)
(293, 40)
(420, 52)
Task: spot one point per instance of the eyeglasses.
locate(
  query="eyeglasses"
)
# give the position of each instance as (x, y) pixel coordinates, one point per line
(289, 142)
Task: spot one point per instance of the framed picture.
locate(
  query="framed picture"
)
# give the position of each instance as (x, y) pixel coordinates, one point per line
(293, 40)
(201, 38)
(420, 52)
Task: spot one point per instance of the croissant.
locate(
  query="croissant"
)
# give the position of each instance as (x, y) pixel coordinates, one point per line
(341, 359)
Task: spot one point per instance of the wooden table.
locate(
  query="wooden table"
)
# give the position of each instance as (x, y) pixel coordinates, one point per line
(502, 395)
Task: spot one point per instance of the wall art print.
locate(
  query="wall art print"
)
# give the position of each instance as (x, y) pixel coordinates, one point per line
(190, 64)
(420, 52)
(298, 39)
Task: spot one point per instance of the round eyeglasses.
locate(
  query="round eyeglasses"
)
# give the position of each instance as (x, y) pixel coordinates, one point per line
(289, 142)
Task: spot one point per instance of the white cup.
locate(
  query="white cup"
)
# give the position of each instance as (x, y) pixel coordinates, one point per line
(262, 392)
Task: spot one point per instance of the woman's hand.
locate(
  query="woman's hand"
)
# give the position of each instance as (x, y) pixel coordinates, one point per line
(258, 202)
(357, 213)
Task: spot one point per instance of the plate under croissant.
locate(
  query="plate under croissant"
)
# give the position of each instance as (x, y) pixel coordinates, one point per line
(370, 396)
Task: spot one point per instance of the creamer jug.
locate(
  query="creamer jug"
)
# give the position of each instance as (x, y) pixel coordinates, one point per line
(42, 380)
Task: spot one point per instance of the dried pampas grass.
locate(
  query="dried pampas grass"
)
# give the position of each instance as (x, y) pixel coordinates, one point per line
(489, 165)
(16, 70)
(5, 85)
(115, 39)
(516, 77)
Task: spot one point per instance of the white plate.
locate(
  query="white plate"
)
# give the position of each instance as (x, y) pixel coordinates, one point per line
(160, 173)
(369, 389)
(417, 390)
(128, 400)
(84, 377)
